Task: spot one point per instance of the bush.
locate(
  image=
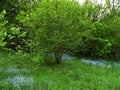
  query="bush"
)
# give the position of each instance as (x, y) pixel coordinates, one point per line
(11, 36)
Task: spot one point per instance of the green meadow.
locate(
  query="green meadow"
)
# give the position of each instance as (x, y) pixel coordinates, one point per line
(70, 75)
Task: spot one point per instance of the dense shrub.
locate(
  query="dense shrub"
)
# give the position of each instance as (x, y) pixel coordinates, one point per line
(3, 32)
(11, 36)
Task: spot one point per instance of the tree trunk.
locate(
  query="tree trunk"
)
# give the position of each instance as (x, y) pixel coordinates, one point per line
(58, 55)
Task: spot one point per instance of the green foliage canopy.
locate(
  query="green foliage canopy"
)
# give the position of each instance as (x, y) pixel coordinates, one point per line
(2, 28)
(56, 25)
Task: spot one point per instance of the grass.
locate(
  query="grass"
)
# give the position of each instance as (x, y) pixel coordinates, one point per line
(70, 75)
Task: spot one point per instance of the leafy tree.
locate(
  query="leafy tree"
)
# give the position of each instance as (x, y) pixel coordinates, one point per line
(13, 7)
(15, 41)
(96, 45)
(94, 41)
(113, 28)
(112, 21)
(2, 29)
(57, 25)
(9, 33)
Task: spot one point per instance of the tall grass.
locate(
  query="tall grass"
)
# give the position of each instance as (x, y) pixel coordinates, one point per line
(70, 75)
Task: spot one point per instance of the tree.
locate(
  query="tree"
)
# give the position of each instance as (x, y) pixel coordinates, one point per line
(113, 30)
(13, 7)
(16, 37)
(8, 32)
(57, 25)
(112, 21)
(3, 33)
(94, 42)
